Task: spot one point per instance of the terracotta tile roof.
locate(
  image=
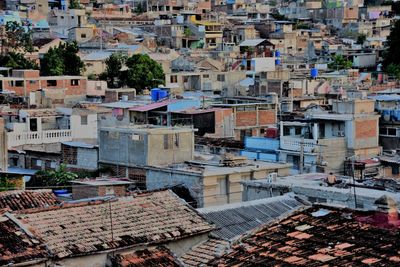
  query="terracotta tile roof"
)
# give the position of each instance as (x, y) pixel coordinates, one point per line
(204, 252)
(16, 246)
(314, 238)
(20, 200)
(159, 256)
(86, 228)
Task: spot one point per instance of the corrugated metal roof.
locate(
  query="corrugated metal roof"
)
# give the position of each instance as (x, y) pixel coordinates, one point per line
(78, 144)
(234, 220)
(385, 97)
(252, 42)
(153, 106)
(100, 55)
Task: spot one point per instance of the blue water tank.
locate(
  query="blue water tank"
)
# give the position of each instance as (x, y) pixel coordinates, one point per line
(277, 53)
(314, 73)
(154, 93)
(277, 62)
(162, 94)
(60, 191)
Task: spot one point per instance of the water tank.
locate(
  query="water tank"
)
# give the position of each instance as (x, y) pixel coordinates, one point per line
(124, 98)
(314, 73)
(162, 94)
(60, 191)
(278, 61)
(154, 94)
(277, 53)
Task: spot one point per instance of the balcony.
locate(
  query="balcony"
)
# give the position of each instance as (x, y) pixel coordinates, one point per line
(35, 138)
(294, 144)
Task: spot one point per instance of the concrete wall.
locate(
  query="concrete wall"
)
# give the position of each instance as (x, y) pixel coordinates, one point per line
(119, 148)
(180, 148)
(87, 158)
(81, 131)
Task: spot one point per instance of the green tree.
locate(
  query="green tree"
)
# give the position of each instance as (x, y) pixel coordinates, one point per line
(187, 32)
(52, 64)
(143, 72)
(74, 4)
(5, 184)
(17, 61)
(339, 62)
(62, 60)
(393, 70)
(392, 53)
(112, 73)
(17, 37)
(361, 38)
(59, 177)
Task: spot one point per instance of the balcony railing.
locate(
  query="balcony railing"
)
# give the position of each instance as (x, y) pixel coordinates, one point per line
(294, 144)
(34, 138)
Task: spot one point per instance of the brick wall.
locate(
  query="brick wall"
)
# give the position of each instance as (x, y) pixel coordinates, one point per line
(366, 128)
(249, 118)
(266, 117)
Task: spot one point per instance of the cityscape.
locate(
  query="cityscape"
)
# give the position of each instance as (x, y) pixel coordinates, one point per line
(176, 133)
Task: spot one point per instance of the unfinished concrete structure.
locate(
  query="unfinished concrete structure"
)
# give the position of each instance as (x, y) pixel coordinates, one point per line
(323, 140)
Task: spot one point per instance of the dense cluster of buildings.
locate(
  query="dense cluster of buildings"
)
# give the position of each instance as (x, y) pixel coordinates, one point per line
(226, 162)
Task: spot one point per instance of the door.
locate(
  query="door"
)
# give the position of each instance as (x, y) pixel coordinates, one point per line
(33, 124)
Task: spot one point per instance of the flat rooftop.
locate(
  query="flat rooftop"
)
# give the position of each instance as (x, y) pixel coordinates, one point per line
(311, 183)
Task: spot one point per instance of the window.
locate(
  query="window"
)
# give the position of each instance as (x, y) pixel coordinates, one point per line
(19, 83)
(221, 77)
(36, 163)
(298, 130)
(84, 120)
(206, 76)
(173, 79)
(83, 35)
(51, 83)
(75, 82)
(32, 82)
(137, 137)
(222, 186)
(62, 17)
(286, 131)
(391, 131)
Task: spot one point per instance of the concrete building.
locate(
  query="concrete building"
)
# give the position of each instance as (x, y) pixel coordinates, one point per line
(313, 187)
(79, 156)
(251, 118)
(321, 141)
(155, 157)
(145, 145)
(25, 82)
(210, 182)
